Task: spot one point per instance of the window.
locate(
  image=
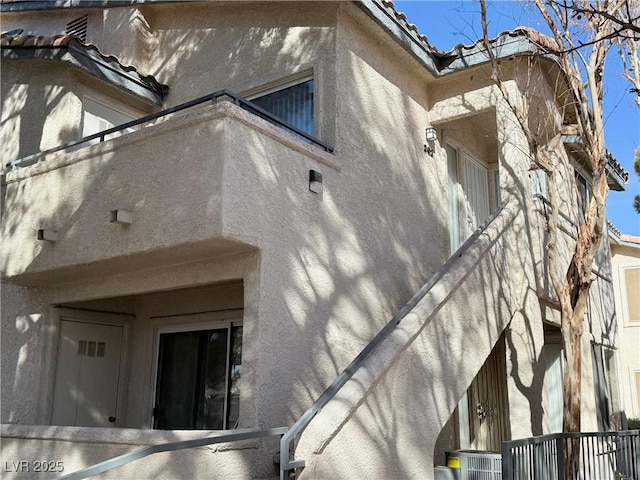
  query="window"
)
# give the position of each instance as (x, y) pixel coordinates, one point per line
(452, 194)
(198, 380)
(584, 194)
(98, 117)
(539, 183)
(553, 379)
(637, 374)
(606, 386)
(632, 284)
(293, 105)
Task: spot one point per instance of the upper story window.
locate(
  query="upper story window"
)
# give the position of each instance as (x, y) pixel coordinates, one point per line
(292, 104)
(632, 285)
(98, 116)
(584, 194)
(539, 183)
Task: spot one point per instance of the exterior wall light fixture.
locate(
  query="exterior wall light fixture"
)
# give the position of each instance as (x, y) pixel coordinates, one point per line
(431, 136)
(315, 181)
(47, 235)
(121, 217)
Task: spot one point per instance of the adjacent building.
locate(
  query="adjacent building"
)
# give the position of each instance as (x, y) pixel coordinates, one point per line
(625, 261)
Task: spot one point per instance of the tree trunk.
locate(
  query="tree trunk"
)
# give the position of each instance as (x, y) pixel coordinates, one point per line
(572, 388)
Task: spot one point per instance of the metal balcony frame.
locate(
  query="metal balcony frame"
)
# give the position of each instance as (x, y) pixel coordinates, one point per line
(212, 97)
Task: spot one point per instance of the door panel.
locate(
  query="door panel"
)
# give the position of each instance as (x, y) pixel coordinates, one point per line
(476, 192)
(87, 374)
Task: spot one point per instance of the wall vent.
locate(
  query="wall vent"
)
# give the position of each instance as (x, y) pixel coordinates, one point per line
(78, 27)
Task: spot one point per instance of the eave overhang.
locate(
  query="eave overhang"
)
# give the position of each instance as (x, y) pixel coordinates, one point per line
(518, 42)
(618, 238)
(72, 51)
(35, 5)
(617, 176)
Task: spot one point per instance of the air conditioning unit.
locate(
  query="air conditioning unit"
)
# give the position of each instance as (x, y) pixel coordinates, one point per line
(476, 464)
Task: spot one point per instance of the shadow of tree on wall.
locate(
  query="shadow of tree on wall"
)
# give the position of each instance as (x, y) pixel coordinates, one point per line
(334, 269)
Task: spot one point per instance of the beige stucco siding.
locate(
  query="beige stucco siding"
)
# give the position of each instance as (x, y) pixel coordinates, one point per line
(626, 258)
(223, 222)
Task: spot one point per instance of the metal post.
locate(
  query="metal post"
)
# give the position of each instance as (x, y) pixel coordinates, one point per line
(559, 456)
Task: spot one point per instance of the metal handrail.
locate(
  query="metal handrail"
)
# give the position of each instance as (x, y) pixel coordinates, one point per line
(285, 442)
(547, 203)
(168, 447)
(212, 97)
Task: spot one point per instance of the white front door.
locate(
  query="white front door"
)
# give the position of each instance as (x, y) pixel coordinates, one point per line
(468, 195)
(87, 374)
(476, 194)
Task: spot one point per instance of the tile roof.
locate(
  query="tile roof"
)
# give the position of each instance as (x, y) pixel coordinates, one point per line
(88, 57)
(532, 34)
(520, 40)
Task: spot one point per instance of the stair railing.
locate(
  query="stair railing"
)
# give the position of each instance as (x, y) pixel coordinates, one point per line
(169, 447)
(286, 465)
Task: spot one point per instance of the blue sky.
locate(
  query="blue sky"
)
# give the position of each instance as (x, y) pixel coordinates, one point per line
(448, 23)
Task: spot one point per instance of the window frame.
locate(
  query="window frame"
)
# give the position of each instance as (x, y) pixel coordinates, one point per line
(283, 84)
(193, 323)
(625, 297)
(110, 104)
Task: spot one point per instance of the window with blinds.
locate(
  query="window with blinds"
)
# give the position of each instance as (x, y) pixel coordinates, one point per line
(293, 105)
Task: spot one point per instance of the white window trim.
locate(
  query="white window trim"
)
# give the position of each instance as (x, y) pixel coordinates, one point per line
(189, 323)
(281, 84)
(625, 299)
(109, 104)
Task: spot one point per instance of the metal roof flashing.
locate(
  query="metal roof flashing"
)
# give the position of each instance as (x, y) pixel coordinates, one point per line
(617, 176)
(508, 44)
(71, 50)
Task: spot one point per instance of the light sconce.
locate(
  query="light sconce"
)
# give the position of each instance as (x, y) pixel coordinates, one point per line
(47, 235)
(431, 136)
(315, 181)
(121, 217)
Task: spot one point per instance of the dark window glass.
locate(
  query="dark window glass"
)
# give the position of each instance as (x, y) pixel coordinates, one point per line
(293, 105)
(198, 379)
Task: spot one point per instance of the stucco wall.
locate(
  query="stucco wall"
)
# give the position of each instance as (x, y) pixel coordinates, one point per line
(219, 195)
(62, 450)
(42, 105)
(629, 331)
(33, 106)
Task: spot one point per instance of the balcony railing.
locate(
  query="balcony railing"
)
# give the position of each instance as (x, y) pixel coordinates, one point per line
(601, 456)
(212, 97)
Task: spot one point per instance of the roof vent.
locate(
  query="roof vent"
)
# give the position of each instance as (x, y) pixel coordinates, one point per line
(78, 27)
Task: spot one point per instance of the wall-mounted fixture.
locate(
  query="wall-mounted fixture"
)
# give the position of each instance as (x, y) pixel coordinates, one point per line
(121, 217)
(47, 235)
(431, 136)
(315, 181)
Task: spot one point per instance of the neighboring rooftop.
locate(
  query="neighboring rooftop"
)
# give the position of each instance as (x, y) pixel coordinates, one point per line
(71, 49)
(623, 238)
